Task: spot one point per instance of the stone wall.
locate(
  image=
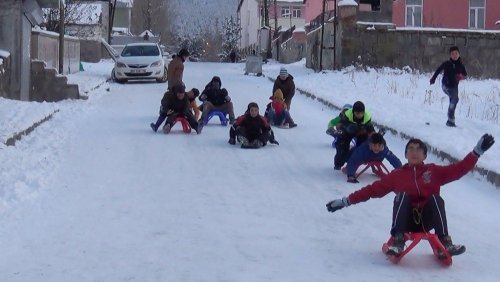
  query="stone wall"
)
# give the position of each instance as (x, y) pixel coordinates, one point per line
(379, 45)
(4, 77)
(423, 50)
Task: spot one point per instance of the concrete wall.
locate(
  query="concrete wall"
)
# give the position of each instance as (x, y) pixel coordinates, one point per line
(45, 47)
(292, 50)
(92, 51)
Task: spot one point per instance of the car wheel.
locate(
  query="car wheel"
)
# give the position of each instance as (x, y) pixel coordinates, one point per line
(163, 79)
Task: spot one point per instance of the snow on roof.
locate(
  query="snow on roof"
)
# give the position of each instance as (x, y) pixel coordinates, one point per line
(347, 3)
(150, 33)
(4, 54)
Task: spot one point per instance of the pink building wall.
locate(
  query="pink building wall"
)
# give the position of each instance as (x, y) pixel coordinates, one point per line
(448, 14)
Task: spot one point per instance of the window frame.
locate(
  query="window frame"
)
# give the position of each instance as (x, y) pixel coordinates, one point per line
(474, 12)
(413, 7)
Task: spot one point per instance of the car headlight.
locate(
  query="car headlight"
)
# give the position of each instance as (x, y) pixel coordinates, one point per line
(156, 64)
(120, 65)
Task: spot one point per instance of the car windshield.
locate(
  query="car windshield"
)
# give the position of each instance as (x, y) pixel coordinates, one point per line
(137, 50)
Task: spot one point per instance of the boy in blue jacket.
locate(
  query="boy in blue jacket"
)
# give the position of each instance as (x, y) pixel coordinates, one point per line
(375, 149)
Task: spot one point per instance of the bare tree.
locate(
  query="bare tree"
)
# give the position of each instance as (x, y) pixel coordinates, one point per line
(151, 15)
(75, 12)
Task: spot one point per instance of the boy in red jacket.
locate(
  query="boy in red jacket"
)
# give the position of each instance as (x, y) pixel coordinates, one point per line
(417, 205)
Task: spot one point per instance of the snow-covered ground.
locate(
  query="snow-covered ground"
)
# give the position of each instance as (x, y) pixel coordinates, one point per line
(94, 195)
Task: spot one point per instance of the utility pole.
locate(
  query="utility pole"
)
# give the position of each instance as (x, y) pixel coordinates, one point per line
(61, 36)
(335, 22)
(322, 35)
(276, 34)
(266, 23)
(111, 20)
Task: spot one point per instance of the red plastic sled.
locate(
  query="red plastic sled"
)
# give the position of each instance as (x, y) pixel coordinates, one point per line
(444, 258)
(378, 168)
(185, 124)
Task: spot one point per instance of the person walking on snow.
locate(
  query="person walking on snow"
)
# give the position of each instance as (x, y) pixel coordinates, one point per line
(175, 69)
(285, 83)
(375, 149)
(418, 206)
(454, 71)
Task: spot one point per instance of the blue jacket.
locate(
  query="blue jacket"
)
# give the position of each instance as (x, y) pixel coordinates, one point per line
(363, 154)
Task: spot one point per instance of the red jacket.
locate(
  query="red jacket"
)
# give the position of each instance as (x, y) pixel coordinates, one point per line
(420, 182)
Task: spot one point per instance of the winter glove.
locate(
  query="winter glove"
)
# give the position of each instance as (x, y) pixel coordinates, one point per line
(337, 204)
(333, 132)
(459, 77)
(228, 99)
(484, 144)
(382, 131)
(352, 180)
(432, 81)
(203, 97)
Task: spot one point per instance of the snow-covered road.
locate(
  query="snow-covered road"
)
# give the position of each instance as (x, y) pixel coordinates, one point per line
(125, 204)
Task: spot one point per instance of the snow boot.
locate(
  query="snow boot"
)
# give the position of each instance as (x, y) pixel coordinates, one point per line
(153, 127)
(453, 250)
(200, 127)
(451, 123)
(243, 141)
(166, 128)
(397, 246)
(231, 141)
(256, 144)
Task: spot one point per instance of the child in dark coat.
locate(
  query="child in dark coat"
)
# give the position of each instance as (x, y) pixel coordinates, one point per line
(173, 105)
(251, 129)
(374, 149)
(454, 71)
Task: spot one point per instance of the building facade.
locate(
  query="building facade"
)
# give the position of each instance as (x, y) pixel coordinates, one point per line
(455, 14)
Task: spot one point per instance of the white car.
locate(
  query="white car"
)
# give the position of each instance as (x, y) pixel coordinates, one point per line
(140, 61)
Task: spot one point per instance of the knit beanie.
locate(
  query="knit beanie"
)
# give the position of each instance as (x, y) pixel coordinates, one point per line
(358, 107)
(278, 95)
(283, 72)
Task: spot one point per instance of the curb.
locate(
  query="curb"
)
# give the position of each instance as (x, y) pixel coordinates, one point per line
(18, 136)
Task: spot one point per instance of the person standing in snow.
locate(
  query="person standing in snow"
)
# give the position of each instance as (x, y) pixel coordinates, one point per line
(251, 129)
(375, 149)
(418, 206)
(454, 71)
(285, 83)
(354, 123)
(277, 113)
(175, 69)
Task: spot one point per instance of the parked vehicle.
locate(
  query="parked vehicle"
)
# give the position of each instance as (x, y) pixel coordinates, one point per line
(140, 61)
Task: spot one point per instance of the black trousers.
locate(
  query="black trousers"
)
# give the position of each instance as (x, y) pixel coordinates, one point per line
(406, 218)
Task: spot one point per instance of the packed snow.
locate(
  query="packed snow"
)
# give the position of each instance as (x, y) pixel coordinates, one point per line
(94, 195)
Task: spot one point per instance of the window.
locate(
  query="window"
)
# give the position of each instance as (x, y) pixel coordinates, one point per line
(476, 14)
(285, 12)
(296, 13)
(414, 13)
